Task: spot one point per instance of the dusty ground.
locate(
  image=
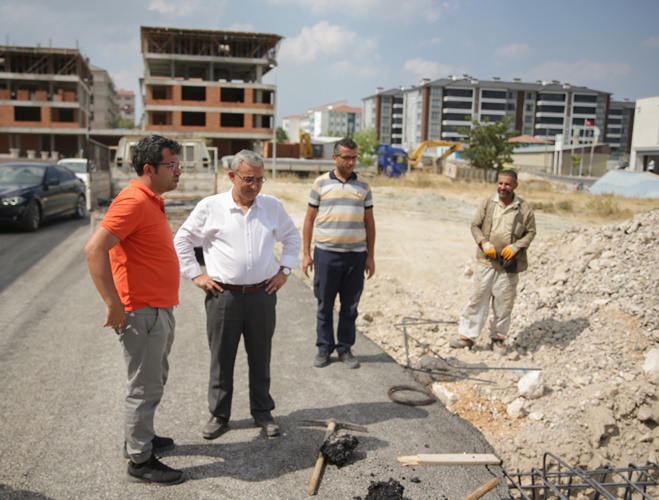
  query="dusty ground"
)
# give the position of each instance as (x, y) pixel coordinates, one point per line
(424, 251)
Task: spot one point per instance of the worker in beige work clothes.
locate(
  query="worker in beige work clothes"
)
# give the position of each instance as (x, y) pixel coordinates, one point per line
(503, 228)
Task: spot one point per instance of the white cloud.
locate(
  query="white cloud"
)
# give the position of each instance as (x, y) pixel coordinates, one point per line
(173, 7)
(428, 10)
(355, 70)
(513, 51)
(422, 68)
(324, 39)
(242, 27)
(652, 41)
(580, 72)
(432, 41)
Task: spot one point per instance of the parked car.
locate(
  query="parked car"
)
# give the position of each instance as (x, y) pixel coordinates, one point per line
(33, 192)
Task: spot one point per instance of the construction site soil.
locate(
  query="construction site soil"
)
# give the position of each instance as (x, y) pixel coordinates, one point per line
(585, 323)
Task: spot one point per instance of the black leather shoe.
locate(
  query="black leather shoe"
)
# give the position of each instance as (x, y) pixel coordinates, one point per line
(268, 425)
(215, 427)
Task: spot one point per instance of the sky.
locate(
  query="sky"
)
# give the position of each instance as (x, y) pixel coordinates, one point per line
(342, 50)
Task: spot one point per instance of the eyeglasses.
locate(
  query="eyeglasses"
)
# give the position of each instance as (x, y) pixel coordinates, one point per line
(174, 165)
(249, 179)
(347, 158)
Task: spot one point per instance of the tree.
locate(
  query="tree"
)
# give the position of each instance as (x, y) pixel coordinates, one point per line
(488, 144)
(281, 135)
(368, 145)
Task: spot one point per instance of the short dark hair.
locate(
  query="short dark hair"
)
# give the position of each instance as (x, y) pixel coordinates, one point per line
(347, 143)
(149, 151)
(510, 173)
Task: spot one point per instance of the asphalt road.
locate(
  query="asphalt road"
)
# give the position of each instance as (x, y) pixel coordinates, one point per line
(62, 388)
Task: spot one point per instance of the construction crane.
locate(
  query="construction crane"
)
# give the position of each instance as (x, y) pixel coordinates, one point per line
(416, 155)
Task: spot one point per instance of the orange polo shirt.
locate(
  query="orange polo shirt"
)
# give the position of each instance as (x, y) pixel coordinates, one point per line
(145, 267)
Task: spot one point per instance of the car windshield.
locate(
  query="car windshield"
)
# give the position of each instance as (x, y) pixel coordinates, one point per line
(23, 175)
(79, 167)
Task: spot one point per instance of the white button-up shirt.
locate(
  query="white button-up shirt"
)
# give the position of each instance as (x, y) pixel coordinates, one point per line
(238, 246)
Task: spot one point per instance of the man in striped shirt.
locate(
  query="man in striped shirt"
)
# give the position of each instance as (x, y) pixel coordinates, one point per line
(341, 207)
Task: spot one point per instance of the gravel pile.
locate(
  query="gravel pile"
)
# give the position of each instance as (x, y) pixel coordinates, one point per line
(579, 374)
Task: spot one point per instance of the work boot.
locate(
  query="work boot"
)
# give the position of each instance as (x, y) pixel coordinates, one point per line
(461, 342)
(322, 358)
(153, 471)
(497, 345)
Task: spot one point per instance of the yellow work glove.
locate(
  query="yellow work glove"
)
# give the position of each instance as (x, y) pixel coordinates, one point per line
(489, 250)
(509, 252)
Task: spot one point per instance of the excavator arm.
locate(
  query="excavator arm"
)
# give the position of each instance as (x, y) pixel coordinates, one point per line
(416, 155)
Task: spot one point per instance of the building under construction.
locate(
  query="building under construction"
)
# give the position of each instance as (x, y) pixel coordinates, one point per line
(45, 98)
(209, 83)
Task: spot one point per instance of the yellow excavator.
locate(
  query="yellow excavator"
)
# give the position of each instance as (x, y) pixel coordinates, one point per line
(309, 151)
(415, 156)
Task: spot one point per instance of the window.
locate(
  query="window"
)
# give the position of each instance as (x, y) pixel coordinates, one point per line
(498, 106)
(494, 94)
(65, 175)
(25, 114)
(459, 93)
(232, 120)
(193, 93)
(551, 97)
(457, 117)
(551, 109)
(161, 118)
(529, 107)
(585, 98)
(160, 92)
(233, 95)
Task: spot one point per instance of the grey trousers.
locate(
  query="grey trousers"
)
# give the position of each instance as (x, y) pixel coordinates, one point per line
(147, 340)
(228, 316)
(489, 286)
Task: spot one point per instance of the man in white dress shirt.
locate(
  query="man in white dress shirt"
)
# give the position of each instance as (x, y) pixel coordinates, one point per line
(237, 232)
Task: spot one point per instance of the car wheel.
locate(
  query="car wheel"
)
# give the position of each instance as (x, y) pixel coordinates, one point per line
(81, 207)
(32, 217)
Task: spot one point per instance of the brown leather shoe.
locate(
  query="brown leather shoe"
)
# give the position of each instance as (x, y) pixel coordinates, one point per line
(215, 427)
(268, 425)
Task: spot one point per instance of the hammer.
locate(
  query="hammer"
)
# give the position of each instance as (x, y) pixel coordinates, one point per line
(332, 424)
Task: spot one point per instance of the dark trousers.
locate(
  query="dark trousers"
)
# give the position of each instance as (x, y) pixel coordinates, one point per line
(229, 315)
(342, 274)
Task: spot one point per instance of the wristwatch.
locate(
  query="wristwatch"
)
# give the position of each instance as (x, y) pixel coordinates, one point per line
(286, 270)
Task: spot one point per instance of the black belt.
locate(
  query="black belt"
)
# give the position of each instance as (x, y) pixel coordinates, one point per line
(242, 288)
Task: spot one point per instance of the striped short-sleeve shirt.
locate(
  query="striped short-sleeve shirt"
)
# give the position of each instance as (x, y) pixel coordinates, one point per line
(340, 221)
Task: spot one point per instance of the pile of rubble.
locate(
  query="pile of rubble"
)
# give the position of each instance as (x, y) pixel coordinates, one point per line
(580, 371)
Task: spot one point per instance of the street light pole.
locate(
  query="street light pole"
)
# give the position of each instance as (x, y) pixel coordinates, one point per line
(274, 125)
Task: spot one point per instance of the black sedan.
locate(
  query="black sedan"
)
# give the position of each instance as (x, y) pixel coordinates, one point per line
(33, 192)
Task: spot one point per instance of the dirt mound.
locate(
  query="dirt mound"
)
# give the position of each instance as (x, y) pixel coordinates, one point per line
(585, 321)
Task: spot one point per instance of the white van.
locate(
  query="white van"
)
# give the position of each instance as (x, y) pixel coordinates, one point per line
(80, 167)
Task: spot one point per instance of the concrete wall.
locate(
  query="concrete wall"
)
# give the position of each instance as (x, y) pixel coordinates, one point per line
(646, 132)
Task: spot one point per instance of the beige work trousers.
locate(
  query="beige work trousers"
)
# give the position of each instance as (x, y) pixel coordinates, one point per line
(489, 286)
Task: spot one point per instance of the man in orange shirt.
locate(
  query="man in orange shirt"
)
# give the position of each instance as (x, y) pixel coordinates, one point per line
(132, 261)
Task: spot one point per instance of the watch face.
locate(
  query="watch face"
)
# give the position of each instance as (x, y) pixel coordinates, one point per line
(286, 271)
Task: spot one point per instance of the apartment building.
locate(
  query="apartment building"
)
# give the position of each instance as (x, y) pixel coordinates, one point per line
(438, 110)
(209, 83)
(337, 119)
(620, 125)
(104, 101)
(126, 105)
(45, 101)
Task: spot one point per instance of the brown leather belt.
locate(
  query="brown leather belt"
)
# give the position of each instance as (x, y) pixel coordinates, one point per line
(242, 288)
